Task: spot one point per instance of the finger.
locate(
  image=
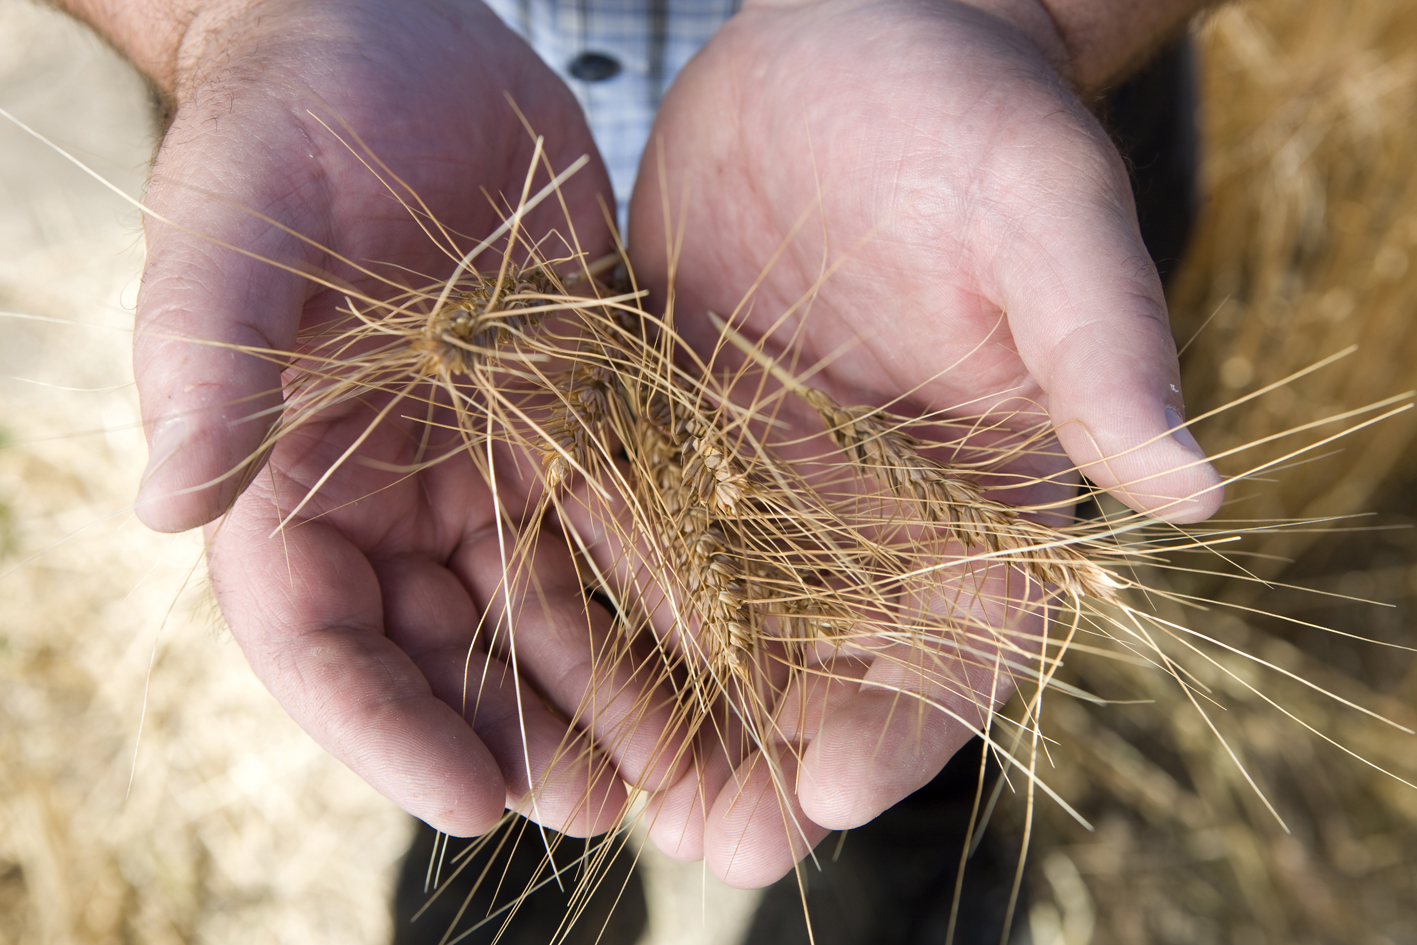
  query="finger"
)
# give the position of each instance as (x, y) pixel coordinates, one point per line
(565, 647)
(430, 616)
(1087, 311)
(810, 698)
(209, 295)
(553, 772)
(756, 829)
(922, 698)
(307, 611)
(675, 818)
(875, 749)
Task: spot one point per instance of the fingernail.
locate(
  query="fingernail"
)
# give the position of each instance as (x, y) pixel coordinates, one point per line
(1182, 433)
(168, 437)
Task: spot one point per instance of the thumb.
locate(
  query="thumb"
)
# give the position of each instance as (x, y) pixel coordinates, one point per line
(1088, 313)
(209, 319)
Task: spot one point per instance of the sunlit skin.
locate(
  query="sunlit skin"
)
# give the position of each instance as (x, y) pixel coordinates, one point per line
(966, 179)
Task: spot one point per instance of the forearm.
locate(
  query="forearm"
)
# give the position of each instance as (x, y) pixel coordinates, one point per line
(150, 33)
(1106, 39)
(1095, 43)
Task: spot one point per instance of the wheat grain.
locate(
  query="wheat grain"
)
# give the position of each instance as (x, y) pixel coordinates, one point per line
(481, 319)
(577, 423)
(880, 444)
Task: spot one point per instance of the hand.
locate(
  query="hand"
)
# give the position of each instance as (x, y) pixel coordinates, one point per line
(360, 617)
(988, 256)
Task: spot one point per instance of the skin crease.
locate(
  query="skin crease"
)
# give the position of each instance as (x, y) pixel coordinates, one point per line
(989, 224)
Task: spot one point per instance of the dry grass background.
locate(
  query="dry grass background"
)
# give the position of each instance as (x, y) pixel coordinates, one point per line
(1306, 245)
(238, 829)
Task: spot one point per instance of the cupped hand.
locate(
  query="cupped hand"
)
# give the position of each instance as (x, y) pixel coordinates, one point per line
(361, 616)
(980, 250)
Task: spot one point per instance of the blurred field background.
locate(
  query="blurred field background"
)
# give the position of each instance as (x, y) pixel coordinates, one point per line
(1305, 246)
(237, 828)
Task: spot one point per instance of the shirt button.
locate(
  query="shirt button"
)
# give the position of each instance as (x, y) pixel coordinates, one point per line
(594, 67)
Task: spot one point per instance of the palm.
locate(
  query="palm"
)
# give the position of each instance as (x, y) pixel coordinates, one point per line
(983, 256)
(980, 220)
(900, 183)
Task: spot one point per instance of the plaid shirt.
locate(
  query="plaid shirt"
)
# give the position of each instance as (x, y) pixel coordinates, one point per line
(618, 57)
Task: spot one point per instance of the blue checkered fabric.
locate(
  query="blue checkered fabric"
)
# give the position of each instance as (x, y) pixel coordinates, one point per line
(649, 41)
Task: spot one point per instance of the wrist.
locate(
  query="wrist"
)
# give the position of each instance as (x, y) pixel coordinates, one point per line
(1104, 40)
(1035, 21)
(157, 37)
